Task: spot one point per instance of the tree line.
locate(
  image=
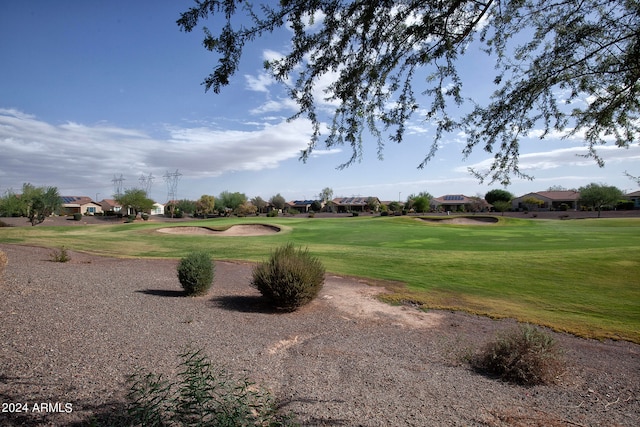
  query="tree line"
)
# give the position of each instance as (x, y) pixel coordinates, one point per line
(37, 203)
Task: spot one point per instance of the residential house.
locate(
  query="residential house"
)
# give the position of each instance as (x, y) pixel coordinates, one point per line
(110, 206)
(458, 203)
(551, 200)
(356, 204)
(158, 209)
(80, 204)
(635, 198)
(303, 206)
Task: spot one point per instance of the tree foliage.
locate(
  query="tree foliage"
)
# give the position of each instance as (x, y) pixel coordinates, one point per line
(136, 199)
(277, 201)
(419, 202)
(231, 201)
(11, 205)
(326, 195)
(205, 205)
(599, 195)
(498, 195)
(569, 66)
(259, 203)
(39, 202)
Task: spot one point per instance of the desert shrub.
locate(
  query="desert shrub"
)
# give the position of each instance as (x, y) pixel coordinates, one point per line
(60, 255)
(272, 213)
(290, 278)
(195, 272)
(77, 216)
(523, 355)
(200, 395)
(293, 211)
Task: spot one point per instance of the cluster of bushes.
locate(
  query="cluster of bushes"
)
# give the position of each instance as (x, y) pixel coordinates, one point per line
(289, 279)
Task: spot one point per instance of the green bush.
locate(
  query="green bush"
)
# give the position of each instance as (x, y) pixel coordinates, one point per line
(60, 255)
(523, 355)
(77, 216)
(291, 277)
(201, 395)
(272, 213)
(195, 272)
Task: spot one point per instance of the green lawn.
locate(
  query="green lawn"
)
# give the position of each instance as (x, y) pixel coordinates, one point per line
(579, 276)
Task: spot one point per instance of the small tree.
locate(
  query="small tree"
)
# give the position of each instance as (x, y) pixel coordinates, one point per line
(326, 195)
(40, 202)
(498, 195)
(316, 206)
(394, 206)
(421, 204)
(278, 201)
(245, 209)
(12, 205)
(205, 205)
(135, 199)
(230, 200)
(532, 202)
(259, 203)
(599, 195)
(501, 206)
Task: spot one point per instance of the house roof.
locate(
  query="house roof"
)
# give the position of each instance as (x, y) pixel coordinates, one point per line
(300, 202)
(76, 200)
(350, 201)
(109, 203)
(560, 195)
(452, 199)
(634, 194)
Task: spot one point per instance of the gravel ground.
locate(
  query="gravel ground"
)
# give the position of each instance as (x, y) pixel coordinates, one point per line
(72, 332)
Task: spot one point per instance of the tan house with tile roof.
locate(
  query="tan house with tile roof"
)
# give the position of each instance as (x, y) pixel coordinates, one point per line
(551, 200)
(80, 204)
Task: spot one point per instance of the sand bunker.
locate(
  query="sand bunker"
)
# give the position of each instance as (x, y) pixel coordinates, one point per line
(464, 220)
(234, 230)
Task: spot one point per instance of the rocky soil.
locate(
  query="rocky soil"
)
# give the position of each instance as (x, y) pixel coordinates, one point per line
(72, 332)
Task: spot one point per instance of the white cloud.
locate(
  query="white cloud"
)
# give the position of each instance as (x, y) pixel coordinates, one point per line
(565, 157)
(260, 83)
(73, 155)
(274, 106)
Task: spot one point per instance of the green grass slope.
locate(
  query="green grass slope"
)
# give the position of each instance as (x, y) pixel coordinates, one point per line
(579, 276)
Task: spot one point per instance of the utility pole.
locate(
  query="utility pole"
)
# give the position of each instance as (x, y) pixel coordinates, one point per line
(117, 185)
(172, 187)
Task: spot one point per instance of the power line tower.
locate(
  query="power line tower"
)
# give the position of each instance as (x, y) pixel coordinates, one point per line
(145, 183)
(172, 178)
(117, 185)
(172, 188)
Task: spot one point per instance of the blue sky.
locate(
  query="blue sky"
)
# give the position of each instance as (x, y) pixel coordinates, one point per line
(94, 90)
